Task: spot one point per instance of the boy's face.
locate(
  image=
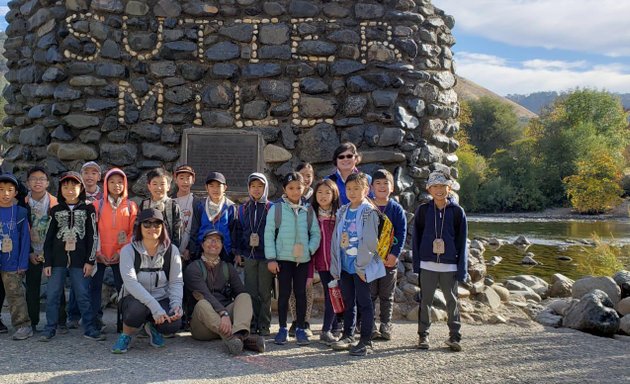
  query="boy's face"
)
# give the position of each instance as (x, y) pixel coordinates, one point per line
(256, 189)
(7, 194)
(115, 185)
(158, 187)
(70, 191)
(38, 182)
(184, 181)
(439, 192)
(307, 174)
(382, 188)
(216, 190)
(90, 177)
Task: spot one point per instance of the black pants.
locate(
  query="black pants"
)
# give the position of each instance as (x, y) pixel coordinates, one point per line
(292, 276)
(135, 314)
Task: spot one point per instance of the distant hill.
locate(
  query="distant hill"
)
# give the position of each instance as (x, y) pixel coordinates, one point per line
(468, 90)
(3, 61)
(538, 100)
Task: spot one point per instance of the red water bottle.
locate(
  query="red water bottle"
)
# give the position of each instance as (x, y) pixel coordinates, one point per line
(336, 299)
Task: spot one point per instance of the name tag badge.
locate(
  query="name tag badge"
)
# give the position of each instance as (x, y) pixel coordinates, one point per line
(254, 240)
(7, 244)
(298, 250)
(438, 246)
(345, 240)
(71, 245)
(122, 237)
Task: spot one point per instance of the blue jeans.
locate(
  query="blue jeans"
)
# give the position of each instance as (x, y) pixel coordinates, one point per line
(96, 288)
(80, 285)
(356, 295)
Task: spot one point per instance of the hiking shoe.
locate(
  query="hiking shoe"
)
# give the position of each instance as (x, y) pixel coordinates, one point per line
(375, 334)
(23, 333)
(234, 345)
(3, 328)
(453, 344)
(142, 334)
(307, 329)
(62, 329)
(302, 337)
(94, 335)
(344, 344)
(281, 336)
(423, 342)
(155, 337)
(73, 324)
(363, 348)
(264, 332)
(327, 338)
(292, 329)
(255, 343)
(122, 344)
(386, 331)
(47, 335)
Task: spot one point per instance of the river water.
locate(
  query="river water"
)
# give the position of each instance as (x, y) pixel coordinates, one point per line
(550, 240)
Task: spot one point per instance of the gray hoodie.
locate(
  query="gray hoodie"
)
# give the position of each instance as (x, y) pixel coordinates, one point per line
(151, 287)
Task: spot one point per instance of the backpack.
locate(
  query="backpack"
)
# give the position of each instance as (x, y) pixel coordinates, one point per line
(310, 215)
(166, 267)
(227, 290)
(386, 239)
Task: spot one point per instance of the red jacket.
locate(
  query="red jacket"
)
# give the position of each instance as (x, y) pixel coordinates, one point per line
(321, 257)
(115, 225)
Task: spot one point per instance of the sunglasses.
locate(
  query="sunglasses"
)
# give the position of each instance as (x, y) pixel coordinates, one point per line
(341, 157)
(151, 224)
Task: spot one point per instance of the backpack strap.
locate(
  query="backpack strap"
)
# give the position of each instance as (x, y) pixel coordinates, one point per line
(166, 265)
(226, 273)
(241, 214)
(277, 217)
(202, 268)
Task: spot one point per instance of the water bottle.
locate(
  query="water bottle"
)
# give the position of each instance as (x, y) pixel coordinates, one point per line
(336, 299)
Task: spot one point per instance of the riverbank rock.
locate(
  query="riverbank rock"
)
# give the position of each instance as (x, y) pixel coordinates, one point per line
(548, 318)
(624, 325)
(503, 292)
(494, 260)
(623, 306)
(561, 286)
(529, 260)
(537, 284)
(521, 240)
(622, 278)
(593, 313)
(588, 284)
(489, 297)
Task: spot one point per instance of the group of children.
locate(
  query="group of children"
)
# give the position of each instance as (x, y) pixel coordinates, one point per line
(81, 232)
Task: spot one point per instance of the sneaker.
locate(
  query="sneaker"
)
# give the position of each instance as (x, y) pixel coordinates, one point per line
(62, 329)
(23, 333)
(3, 328)
(264, 332)
(302, 337)
(423, 342)
(281, 336)
(375, 334)
(155, 337)
(327, 338)
(344, 344)
(122, 344)
(307, 329)
(292, 329)
(453, 344)
(255, 343)
(94, 335)
(73, 324)
(168, 335)
(234, 345)
(363, 348)
(47, 335)
(142, 334)
(386, 331)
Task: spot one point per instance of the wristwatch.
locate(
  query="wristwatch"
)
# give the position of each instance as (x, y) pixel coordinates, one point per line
(224, 313)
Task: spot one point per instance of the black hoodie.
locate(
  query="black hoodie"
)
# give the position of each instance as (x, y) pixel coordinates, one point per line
(79, 222)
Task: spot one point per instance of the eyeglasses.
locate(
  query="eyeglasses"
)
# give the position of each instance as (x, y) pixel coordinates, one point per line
(151, 224)
(341, 157)
(37, 179)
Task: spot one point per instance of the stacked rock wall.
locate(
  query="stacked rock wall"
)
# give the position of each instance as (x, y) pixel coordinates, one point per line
(118, 81)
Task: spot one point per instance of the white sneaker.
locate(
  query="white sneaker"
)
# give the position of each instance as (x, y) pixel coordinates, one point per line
(23, 333)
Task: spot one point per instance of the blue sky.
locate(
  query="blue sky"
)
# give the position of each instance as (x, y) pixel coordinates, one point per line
(525, 46)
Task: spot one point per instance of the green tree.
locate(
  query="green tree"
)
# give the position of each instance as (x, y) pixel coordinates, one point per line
(494, 125)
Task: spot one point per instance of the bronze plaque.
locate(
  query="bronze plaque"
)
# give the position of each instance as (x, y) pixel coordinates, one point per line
(234, 153)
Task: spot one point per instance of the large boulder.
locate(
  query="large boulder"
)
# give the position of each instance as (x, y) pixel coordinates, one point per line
(606, 284)
(622, 278)
(593, 313)
(561, 286)
(537, 284)
(623, 306)
(624, 325)
(489, 297)
(549, 318)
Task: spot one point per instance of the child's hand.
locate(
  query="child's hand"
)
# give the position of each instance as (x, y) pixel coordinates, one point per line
(273, 267)
(361, 276)
(186, 255)
(115, 258)
(87, 269)
(238, 260)
(391, 261)
(47, 271)
(34, 258)
(309, 282)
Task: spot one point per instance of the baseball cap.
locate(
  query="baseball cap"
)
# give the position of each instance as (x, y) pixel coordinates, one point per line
(91, 164)
(9, 178)
(213, 232)
(150, 213)
(184, 169)
(71, 175)
(216, 176)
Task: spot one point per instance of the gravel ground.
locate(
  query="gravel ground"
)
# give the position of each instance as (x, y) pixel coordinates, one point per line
(509, 353)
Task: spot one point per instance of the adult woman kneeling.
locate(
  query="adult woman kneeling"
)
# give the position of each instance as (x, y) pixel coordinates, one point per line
(151, 269)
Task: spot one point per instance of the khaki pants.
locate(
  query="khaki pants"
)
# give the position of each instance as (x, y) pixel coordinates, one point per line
(205, 321)
(17, 300)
